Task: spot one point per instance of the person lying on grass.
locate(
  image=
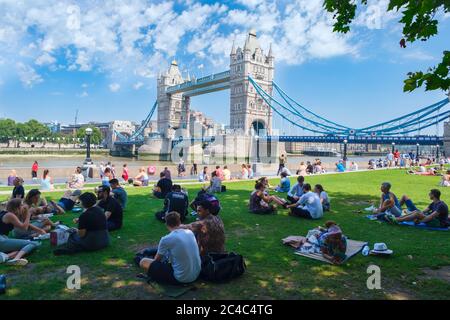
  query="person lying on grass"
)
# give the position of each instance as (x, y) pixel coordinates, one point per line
(261, 201)
(92, 232)
(308, 206)
(177, 260)
(389, 203)
(435, 215)
(14, 248)
(208, 230)
(66, 202)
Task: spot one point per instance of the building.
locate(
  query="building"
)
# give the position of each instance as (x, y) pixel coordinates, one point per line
(247, 109)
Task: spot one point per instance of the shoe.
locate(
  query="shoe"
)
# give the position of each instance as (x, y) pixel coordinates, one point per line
(370, 209)
(17, 262)
(3, 257)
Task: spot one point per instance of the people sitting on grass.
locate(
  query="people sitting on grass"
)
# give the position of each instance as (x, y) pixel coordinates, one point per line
(301, 171)
(244, 172)
(445, 181)
(92, 232)
(219, 173)
(18, 190)
(215, 184)
(66, 202)
(285, 183)
(427, 172)
(226, 173)
(76, 180)
(297, 190)
(141, 180)
(40, 224)
(435, 215)
(177, 260)
(389, 203)
(250, 171)
(16, 216)
(107, 175)
(163, 186)
(333, 243)
(262, 203)
(323, 196)
(309, 168)
(308, 206)
(203, 195)
(167, 173)
(119, 193)
(175, 201)
(266, 183)
(208, 230)
(204, 175)
(47, 181)
(113, 209)
(340, 167)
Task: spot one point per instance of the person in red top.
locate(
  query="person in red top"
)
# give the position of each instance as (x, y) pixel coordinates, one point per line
(219, 173)
(125, 174)
(34, 170)
(397, 158)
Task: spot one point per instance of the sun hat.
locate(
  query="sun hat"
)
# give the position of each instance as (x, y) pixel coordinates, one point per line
(381, 248)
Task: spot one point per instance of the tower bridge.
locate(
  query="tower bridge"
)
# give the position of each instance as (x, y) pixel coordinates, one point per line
(255, 99)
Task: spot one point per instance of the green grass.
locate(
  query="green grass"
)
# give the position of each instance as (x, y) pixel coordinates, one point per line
(274, 272)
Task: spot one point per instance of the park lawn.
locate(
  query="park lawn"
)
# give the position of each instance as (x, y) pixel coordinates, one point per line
(274, 272)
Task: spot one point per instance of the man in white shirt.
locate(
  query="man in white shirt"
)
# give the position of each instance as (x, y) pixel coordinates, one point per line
(177, 260)
(308, 206)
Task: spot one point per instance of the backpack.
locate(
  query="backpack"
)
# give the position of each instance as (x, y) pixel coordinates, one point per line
(221, 267)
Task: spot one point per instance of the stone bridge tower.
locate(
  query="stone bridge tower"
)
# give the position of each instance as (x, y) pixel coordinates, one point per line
(248, 111)
(171, 109)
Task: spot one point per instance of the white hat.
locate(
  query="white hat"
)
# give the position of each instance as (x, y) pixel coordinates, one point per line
(381, 248)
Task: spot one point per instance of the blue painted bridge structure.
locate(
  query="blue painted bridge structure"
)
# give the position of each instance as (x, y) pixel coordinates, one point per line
(404, 130)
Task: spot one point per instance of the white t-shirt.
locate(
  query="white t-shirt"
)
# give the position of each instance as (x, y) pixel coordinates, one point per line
(181, 249)
(310, 201)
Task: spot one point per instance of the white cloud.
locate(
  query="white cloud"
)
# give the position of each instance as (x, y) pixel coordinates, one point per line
(28, 75)
(45, 59)
(84, 94)
(114, 87)
(138, 85)
(418, 55)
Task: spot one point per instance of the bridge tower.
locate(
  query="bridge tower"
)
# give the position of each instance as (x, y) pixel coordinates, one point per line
(248, 111)
(172, 114)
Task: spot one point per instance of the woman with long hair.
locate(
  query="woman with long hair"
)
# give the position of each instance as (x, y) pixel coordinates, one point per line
(47, 181)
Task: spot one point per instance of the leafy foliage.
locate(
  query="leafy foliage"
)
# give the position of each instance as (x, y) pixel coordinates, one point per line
(96, 137)
(419, 23)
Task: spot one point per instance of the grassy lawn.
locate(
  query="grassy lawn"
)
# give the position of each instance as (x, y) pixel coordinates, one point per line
(274, 272)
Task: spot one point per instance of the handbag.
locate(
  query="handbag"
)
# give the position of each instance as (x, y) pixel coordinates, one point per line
(221, 267)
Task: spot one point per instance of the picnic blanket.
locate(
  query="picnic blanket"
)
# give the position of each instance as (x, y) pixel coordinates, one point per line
(411, 224)
(353, 248)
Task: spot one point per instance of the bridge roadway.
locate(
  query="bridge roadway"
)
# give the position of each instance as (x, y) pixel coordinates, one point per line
(421, 140)
(195, 87)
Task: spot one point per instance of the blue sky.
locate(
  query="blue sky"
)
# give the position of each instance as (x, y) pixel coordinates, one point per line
(59, 56)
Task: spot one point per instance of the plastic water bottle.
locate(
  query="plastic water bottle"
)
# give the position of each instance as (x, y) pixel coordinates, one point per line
(365, 250)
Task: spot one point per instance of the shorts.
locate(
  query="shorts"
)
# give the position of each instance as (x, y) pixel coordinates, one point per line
(269, 210)
(301, 213)
(162, 272)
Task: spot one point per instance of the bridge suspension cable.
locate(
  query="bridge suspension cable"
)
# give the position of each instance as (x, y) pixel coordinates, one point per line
(303, 118)
(138, 134)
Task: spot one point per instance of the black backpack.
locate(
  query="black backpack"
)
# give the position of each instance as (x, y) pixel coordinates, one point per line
(221, 267)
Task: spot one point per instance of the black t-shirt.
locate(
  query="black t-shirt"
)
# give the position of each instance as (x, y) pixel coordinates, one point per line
(93, 219)
(18, 191)
(113, 206)
(442, 209)
(176, 201)
(165, 185)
